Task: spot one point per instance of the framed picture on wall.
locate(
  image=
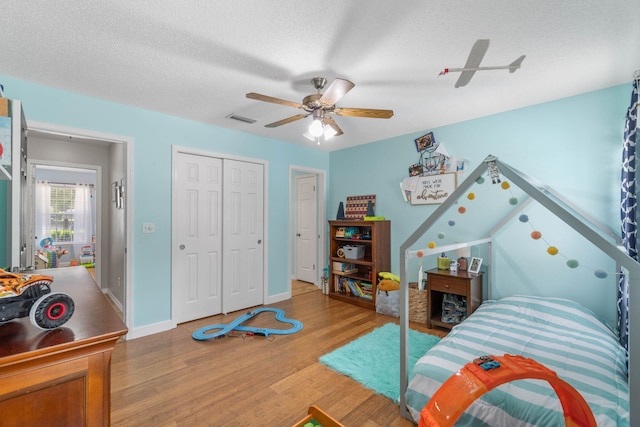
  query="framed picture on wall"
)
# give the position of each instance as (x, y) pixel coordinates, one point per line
(474, 266)
(425, 142)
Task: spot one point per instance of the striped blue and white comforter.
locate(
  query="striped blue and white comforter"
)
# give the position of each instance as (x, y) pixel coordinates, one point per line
(561, 334)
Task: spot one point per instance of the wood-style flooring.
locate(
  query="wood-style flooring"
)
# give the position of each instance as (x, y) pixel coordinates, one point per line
(170, 379)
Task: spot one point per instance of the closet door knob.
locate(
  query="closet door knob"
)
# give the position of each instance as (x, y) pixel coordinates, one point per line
(181, 247)
(259, 241)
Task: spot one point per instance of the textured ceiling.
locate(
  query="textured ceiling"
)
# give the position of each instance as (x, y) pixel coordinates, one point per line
(197, 59)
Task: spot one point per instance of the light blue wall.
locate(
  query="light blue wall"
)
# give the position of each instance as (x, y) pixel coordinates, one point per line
(153, 135)
(573, 145)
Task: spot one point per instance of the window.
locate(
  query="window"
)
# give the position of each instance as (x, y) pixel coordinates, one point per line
(64, 212)
(63, 199)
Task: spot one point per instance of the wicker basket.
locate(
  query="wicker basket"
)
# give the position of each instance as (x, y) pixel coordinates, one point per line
(417, 304)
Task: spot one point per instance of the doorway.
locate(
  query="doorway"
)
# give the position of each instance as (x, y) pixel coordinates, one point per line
(306, 245)
(64, 213)
(307, 201)
(108, 156)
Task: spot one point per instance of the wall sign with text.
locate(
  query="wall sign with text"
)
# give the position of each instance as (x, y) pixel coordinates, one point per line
(430, 189)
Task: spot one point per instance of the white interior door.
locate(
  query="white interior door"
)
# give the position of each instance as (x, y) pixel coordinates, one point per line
(306, 228)
(197, 261)
(243, 277)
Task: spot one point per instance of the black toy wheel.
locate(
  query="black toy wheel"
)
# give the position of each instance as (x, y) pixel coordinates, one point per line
(51, 310)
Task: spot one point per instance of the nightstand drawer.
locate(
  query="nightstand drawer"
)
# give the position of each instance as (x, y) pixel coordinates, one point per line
(449, 286)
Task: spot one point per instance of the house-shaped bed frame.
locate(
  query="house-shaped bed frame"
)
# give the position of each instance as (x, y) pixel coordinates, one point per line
(581, 223)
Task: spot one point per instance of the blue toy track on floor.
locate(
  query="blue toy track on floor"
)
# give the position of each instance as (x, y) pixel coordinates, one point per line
(224, 328)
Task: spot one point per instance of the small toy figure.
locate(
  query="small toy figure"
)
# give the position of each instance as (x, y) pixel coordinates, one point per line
(494, 172)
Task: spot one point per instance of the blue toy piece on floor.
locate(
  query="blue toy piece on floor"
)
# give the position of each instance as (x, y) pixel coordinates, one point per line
(225, 328)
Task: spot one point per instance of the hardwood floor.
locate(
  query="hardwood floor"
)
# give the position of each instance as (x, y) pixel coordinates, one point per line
(170, 379)
(298, 287)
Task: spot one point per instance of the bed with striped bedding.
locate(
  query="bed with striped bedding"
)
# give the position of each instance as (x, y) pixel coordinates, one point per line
(561, 334)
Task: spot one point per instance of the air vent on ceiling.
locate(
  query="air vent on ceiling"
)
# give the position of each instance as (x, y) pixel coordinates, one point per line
(242, 118)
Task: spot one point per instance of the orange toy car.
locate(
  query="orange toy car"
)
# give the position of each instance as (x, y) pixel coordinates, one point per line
(23, 295)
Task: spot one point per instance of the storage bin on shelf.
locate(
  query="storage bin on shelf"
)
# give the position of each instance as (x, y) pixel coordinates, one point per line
(353, 251)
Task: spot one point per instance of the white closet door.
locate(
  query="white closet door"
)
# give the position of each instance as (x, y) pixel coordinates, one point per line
(243, 245)
(198, 237)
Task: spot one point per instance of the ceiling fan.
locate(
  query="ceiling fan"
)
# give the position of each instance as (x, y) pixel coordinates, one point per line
(473, 63)
(320, 106)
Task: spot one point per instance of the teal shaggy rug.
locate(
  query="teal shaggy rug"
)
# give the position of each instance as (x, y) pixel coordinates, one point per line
(374, 359)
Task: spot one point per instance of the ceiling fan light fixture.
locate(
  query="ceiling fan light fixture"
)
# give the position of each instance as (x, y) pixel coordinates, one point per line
(326, 135)
(312, 138)
(329, 132)
(316, 129)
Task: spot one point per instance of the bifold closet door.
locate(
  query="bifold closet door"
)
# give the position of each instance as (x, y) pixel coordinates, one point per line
(218, 264)
(198, 258)
(243, 234)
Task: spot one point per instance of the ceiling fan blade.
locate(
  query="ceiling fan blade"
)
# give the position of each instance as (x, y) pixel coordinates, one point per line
(265, 98)
(285, 121)
(364, 112)
(335, 92)
(329, 121)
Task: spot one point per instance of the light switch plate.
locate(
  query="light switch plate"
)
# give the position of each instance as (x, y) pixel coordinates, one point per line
(148, 227)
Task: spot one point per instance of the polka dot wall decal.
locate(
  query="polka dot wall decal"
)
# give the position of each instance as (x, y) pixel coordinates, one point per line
(462, 209)
(505, 185)
(451, 223)
(419, 254)
(523, 218)
(432, 245)
(535, 235)
(440, 235)
(552, 250)
(480, 180)
(513, 201)
(471, 196)
(600, 274)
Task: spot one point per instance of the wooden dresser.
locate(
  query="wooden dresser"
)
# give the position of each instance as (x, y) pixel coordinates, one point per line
(61, 377)
(460, 283)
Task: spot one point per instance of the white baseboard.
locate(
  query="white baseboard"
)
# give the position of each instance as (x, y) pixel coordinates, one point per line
(154, 328)
(278, 297)
(114, 300)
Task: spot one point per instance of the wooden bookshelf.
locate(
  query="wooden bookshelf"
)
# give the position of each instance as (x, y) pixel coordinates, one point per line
(357, 285)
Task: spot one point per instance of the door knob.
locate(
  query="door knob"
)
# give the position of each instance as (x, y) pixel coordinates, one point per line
(259, 241)
(181, 247)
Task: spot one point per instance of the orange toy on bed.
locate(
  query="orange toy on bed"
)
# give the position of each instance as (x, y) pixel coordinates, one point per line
(486, 373)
